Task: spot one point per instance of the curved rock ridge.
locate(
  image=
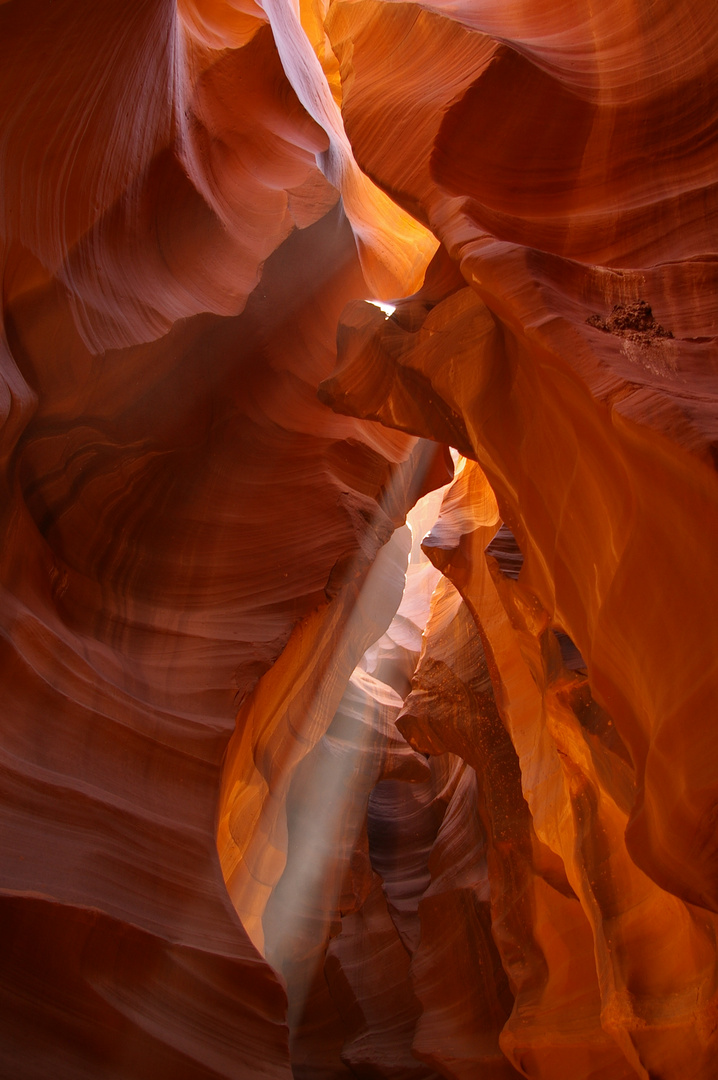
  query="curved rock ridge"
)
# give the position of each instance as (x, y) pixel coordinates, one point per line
(587, 135)
(592, 749)
(152, 158)
(599, 441)
(596, 428)
(258, 819)
(152, 500)
(578, 782)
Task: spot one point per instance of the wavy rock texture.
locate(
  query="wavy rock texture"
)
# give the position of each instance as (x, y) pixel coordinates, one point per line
(257, 821)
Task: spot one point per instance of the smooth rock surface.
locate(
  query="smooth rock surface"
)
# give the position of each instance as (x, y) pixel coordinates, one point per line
(258, 820)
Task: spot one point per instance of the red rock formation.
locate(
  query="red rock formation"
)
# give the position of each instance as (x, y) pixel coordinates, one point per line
(254, 824)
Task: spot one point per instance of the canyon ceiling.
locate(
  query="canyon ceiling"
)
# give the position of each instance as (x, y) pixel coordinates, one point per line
(282, 795)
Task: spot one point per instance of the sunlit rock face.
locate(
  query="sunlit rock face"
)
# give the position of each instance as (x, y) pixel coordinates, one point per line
(280, 796)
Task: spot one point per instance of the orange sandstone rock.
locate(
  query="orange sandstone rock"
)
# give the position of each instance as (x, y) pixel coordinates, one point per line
(522, 877)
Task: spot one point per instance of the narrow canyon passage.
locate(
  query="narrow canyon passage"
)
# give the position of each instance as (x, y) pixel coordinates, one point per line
(287, 790)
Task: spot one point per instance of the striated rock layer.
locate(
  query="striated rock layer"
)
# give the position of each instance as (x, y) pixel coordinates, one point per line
(279, 795)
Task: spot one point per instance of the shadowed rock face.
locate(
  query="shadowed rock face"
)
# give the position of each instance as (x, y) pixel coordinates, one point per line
(261, 815)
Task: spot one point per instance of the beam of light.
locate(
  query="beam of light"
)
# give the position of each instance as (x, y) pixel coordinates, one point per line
(326, 809)
(287, 908)
(314, 891)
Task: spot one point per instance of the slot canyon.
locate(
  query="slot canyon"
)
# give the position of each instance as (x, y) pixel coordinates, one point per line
(359, 564)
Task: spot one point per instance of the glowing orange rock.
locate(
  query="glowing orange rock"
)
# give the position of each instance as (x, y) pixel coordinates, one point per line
(193, 193)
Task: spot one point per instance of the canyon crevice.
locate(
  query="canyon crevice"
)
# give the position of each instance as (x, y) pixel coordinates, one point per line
(288, 788)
